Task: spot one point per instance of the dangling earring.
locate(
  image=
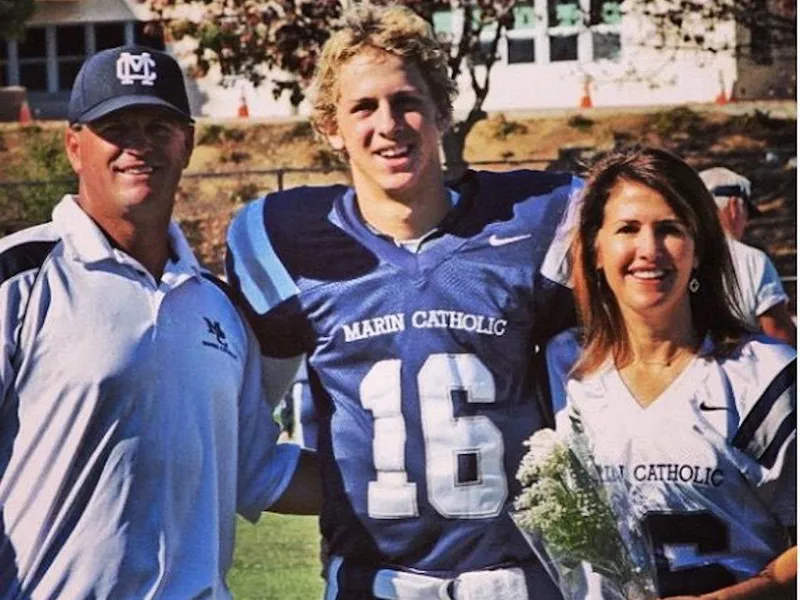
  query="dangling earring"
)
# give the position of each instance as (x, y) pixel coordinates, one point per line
(694, 285)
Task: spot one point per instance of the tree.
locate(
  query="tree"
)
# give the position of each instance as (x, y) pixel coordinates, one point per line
(277, 42)
(14, 14)
(683, 24)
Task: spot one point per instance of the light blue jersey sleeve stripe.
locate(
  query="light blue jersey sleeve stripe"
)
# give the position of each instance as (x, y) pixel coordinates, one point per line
(264, 280)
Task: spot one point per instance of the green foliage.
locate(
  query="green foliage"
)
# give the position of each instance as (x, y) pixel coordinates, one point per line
(300, 130)
(210, 135)
(758, 121)
(44, 173)
(245, 192)
(277, 559)
(326, 158)
(214, 133)
(680, 119)
(235, 156)
(563, 502)
(233, 134)
(14, 14)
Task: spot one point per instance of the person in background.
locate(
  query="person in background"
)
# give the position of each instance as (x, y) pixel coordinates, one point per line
(764, 303)
(677, 394)
(296, 412)
(419, 306)
(134, 425)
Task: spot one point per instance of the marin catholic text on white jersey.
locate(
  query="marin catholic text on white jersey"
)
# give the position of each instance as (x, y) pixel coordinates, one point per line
(711, 463)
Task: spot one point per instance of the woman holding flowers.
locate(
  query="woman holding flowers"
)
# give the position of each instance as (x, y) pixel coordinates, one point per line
(678, 398)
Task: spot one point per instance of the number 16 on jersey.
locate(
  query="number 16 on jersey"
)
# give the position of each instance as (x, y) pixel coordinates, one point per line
(463, 455)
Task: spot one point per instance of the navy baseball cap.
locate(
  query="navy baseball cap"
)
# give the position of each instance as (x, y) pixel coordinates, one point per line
(125, 77)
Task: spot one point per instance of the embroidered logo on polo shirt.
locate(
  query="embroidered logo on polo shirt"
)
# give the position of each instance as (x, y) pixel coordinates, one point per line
(132, 68)
(220, 339)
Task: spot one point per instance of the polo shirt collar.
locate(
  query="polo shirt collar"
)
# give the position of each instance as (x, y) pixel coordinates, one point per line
(87, 243)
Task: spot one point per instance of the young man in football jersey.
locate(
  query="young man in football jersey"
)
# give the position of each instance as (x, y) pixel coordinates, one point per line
(133, 425)
(419, 306)
(693, 409)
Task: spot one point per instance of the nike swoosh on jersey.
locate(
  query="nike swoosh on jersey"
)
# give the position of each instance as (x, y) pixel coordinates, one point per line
(494, 240)
(704, 406)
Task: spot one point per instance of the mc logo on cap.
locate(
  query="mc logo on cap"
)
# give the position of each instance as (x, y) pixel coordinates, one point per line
(127, 77)
(132, 68)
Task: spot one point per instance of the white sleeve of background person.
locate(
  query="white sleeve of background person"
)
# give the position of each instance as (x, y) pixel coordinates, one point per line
(770, 291)
(262, 277)
(265, 467)
(759, 282)
(556, 262)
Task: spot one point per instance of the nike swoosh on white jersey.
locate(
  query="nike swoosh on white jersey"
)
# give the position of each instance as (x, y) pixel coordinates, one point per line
(502, 241)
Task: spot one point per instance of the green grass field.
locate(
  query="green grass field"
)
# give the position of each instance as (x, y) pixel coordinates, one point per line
(277, 559)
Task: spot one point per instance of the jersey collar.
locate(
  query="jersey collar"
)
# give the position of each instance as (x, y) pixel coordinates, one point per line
(89, 245)
(460, 194)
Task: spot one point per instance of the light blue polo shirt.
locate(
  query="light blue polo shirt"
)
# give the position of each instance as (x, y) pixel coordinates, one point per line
(132, 422)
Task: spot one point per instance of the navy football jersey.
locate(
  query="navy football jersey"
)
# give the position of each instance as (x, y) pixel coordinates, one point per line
(420, 364)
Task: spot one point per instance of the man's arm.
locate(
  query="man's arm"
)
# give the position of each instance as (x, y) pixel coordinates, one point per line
(304, 494)
(778, 581)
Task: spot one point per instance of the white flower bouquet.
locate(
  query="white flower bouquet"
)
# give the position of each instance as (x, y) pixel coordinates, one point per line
(578, 522)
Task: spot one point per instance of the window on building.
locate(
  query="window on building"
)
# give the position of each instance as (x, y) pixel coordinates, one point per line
(605, 12)
(32, 51)
(606, 46)
(521, 50)
(70, 53)
(563, 48)
(563, 13)
(564, 18)
(443, 25)
(524, 16)
(109, 35)
(483, 52)
(605, 18)
(520, 43)
(71, 40)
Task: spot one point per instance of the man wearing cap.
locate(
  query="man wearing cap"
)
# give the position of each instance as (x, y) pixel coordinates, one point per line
(764, 302)
(133, 425)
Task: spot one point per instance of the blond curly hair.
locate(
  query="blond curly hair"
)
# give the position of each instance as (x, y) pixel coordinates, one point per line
(392, 28)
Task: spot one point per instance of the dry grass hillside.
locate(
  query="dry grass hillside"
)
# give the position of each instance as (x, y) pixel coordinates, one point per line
(235, 161)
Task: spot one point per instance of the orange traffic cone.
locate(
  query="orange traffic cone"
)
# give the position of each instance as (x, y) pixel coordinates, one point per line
(721, 98)
(586, 99)
(243, 111)
(24, 113)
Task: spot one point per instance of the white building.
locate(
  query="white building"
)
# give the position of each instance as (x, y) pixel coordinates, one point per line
(551, 58)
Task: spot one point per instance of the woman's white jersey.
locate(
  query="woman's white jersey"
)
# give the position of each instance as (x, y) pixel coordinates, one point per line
(711, 462)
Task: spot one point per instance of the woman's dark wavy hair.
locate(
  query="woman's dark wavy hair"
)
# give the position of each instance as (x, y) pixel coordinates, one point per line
(714, 307)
